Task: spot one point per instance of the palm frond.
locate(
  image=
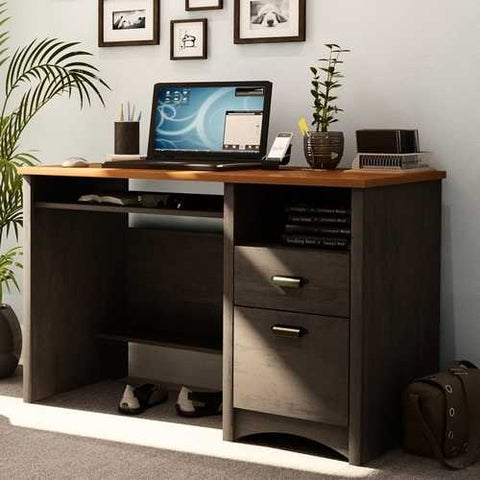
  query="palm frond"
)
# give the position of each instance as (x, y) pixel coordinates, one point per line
(3, 35)
(36, 74)
(8, 264)
(11, 199)
(45, 69)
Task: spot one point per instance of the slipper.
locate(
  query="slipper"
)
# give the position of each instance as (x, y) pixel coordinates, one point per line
(136, 400)
(198, 404)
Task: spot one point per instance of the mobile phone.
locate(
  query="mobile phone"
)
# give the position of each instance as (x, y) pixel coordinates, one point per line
(280, 147)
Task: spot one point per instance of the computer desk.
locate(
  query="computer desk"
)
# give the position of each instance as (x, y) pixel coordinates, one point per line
(362, 322)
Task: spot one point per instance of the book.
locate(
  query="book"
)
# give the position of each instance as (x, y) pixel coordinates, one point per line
(316, 242)
(317, 210)
(140, 199)
(120, 199)
(318, 219)
(317, 230)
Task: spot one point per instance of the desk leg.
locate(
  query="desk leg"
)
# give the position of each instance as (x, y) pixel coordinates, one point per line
(74, 281)
(228, 433)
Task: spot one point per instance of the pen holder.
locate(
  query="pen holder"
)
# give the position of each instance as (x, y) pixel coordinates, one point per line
(127, 138)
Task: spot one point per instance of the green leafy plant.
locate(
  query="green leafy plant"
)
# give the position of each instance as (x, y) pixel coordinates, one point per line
(35, 75)
(326, 78)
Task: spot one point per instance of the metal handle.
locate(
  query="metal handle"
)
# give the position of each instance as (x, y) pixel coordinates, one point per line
(287, 331)
(288, 282)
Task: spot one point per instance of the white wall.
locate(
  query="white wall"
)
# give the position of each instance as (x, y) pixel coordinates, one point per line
(413, 64)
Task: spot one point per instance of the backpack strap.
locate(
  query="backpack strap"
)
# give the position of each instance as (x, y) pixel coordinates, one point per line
(469, 380)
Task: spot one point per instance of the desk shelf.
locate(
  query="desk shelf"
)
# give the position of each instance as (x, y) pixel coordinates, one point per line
(164, 339)
(87, 207)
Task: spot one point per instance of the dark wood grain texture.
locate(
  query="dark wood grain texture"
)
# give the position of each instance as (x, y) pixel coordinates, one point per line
(304, 377)
(92, 284)
(174, 283)
(395, 307)
(253, 423)
(75, 283)
(228, 283)
(325, 278)
(155, 336)
(82, 207)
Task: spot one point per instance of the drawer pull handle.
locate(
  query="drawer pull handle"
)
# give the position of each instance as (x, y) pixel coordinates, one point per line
(286, 331)
(288, 282)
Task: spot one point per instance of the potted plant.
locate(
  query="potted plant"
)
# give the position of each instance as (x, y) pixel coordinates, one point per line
(324, 148)
(35, 75)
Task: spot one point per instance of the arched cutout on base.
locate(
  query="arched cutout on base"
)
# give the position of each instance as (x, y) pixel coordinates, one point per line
(247, 424)
(294, 443)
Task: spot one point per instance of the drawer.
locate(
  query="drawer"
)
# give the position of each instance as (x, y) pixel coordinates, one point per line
(293, 279)
(303, 376)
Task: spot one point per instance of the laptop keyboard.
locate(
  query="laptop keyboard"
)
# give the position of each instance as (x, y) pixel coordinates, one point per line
(181, 165)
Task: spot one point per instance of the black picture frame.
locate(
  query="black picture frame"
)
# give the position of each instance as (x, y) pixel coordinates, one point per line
(128, 43)
(302, 15)
(218, 6)
(204, 54)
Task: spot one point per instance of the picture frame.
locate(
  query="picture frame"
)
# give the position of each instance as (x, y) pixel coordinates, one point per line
(196, 5)
(189, 39)
(269, 21)
(128, 23)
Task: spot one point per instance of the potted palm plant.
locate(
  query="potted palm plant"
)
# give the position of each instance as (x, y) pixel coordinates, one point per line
(35, 75)
(324, 148)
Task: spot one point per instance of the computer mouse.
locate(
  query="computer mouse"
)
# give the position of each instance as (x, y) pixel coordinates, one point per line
(75, 162)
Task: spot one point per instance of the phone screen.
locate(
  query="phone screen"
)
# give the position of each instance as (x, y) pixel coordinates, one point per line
(280, 146)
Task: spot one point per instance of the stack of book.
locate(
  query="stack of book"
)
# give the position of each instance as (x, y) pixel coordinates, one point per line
(317, 227)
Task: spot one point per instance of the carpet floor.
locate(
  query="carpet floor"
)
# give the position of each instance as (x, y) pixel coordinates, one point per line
(79, 435)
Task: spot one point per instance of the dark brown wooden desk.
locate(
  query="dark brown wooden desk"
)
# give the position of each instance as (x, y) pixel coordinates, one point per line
(92, 284)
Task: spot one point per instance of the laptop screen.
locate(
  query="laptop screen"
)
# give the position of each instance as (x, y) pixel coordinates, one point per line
(211, 119)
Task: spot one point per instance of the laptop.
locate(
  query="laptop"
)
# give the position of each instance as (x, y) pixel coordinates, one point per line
(207, 126)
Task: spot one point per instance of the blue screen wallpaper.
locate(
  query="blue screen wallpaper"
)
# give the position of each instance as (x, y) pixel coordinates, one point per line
(193, 118)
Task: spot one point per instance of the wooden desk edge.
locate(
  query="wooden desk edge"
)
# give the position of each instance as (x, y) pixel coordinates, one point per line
(286, 176)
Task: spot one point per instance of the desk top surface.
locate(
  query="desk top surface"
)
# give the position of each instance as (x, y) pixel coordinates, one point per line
(284, 176)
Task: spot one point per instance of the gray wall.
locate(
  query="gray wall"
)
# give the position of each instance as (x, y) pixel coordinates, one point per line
(413, 64)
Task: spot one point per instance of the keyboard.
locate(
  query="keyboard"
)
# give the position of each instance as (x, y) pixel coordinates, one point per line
(183, 165)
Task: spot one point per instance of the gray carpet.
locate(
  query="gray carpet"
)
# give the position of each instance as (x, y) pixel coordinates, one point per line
(34, 454)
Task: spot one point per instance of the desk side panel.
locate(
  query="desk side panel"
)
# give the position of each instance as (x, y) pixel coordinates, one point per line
(395, 307)
(74, 280)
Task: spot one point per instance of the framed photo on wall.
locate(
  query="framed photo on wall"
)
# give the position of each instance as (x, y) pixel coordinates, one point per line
(188, 39)
(192, 5)
(128, 22)
(265, 21)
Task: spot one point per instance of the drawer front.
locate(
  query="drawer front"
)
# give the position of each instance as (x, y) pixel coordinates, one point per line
(277, 372)
(293, 279)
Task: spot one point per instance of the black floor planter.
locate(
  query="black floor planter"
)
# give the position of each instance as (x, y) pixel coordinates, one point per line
(10, 341)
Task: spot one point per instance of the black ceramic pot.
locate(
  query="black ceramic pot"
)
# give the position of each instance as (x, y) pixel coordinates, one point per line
(324, 149)
(10, 341)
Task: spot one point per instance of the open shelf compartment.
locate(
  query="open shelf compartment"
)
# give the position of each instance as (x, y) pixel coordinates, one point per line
(180, 341)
